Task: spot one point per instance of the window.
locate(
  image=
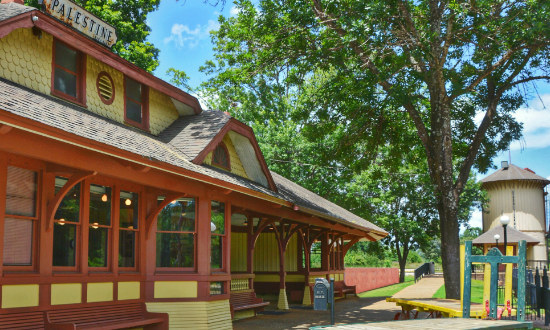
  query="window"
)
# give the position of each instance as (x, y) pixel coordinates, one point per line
(128, 229)
(217, 226)
(20, 221)
(176, 234)
(68, 73)
(136, 107)
(100, 226)
(66, 226)
(220, 157)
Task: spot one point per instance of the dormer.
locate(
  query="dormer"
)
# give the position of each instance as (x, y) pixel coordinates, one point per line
(215, 139)
(42, 53)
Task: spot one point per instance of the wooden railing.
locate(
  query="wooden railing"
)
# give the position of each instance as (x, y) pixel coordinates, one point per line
(241, 282)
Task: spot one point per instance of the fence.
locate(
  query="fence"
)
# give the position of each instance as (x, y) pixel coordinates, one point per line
(426, 269)
(537, 294)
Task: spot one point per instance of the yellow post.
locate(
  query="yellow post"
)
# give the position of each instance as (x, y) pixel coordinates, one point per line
(508, 279)
(462, 257)
(486, 282)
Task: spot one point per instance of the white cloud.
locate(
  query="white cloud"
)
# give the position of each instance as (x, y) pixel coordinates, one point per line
(234, 11)
(184, 36)
(536, 124)
(476, 220)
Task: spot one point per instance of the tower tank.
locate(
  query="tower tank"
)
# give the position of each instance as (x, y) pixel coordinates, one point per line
(519, 194)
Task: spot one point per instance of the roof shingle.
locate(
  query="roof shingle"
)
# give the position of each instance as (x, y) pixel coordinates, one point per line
(514, 172)
(9, 10)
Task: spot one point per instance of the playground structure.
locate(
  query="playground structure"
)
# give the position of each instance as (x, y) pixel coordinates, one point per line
(464, 308)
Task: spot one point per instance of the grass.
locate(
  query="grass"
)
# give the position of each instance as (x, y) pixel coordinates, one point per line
(389, 290)
(477, 292)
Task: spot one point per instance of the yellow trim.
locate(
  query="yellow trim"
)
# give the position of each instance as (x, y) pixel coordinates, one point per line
(508, 280)
(195, 315)
(66, 293)
(462, 261)
(128, 290)
(175, 289)
(100, 292)
(25, 295)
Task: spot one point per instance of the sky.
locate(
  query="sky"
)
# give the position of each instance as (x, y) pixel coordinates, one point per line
(181, 30)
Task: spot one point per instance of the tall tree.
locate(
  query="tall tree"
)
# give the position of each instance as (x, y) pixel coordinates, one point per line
(442, 64)
(129, 17)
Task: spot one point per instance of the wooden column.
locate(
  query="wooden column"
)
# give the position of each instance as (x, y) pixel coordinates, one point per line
(203, 244)
(250, 243)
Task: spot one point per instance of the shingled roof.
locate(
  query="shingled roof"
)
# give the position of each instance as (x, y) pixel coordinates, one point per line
(12, 9)
(65, 116)
(514, 172)
(513, 236)
(191, 134)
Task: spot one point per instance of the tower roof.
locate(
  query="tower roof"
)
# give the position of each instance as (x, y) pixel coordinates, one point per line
(513, 236)
(513, 172)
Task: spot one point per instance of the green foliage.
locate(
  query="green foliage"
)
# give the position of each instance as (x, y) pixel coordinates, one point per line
(346, 80)
(477, 292)
(129, 18)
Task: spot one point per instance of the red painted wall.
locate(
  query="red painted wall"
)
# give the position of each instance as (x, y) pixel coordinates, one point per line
(370, 278)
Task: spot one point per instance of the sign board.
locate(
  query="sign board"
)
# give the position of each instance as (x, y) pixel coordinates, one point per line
(81, 20)
(320, 294)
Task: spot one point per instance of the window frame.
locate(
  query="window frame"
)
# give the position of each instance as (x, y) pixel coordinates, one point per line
(80, 74)
(144, 125)
(116, 226)
(79, 226)
(110, 227)
(33, 267)
(223, 237)
(161, 269)
(222, 146)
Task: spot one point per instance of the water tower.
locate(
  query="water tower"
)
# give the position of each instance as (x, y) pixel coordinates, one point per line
(518, 194)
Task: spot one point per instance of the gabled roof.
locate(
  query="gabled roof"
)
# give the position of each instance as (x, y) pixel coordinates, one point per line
(22, 107)
(197, 136)
(513, 236)
(514, 172)
(20, 16)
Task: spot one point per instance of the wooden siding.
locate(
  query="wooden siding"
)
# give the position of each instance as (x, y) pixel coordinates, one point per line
(100, 292)
(195, 315)
(266, 254)
(234, 159)
(25, 295)
(66, 293)
(175, 289)
(246, 153)
(27, 60)
(238, 252)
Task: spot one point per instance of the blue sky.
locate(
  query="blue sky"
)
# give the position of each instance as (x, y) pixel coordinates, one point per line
(180, 29)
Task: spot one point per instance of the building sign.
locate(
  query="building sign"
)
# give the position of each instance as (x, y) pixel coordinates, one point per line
(80, 19)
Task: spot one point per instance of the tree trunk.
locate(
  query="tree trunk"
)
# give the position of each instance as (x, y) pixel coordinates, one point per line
(402, 264)
(450, 251)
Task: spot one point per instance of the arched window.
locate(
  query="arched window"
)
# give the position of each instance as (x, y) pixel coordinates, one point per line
(220, 157)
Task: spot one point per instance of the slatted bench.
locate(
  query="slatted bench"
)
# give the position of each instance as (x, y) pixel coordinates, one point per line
(105, 317)
(245, 300)
(341, 289)
(20, 321)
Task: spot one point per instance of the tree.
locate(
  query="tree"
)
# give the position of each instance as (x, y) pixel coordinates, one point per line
(130, 21)
(440, 64)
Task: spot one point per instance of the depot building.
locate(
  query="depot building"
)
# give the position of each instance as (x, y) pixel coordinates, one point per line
(118, 189)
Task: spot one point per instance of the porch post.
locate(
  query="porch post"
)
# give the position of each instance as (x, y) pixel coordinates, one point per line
(250, 249)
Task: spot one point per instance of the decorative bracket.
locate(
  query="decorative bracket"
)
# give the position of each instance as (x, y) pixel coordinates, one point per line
(151, 217)
(56, 200)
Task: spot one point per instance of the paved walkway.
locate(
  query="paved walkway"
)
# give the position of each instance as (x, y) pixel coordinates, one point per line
(347, 311)
(425, 288)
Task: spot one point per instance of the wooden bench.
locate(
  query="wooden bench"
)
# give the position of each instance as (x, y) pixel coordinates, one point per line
(105, 317)
(25, 320)
(341, 289)
(245, 300)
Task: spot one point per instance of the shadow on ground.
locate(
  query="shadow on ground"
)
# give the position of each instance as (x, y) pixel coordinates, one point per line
(350, 310)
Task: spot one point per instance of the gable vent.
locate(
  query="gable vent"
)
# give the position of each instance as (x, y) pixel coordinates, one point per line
(105, 87)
